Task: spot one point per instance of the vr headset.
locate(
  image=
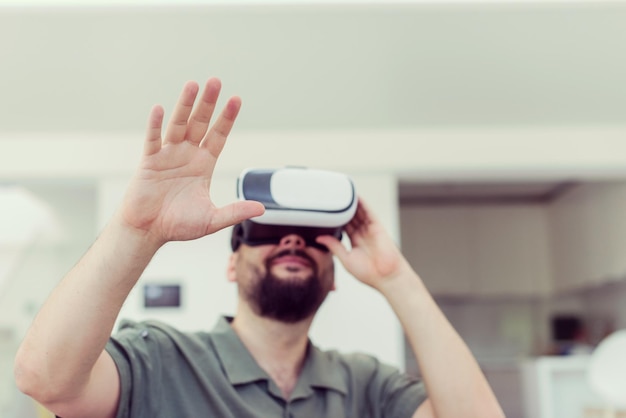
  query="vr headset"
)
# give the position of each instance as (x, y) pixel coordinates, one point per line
(297, 200)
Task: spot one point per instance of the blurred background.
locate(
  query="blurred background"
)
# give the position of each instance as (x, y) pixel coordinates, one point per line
(490, 137)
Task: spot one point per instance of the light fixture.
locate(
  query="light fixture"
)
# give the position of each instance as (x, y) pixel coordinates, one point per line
(24, 217)
(607, 372)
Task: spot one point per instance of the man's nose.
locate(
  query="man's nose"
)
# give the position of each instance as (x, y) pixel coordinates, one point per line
(292, 241)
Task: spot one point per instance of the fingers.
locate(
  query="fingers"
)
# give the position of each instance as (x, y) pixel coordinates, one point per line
(360, 221)
(177, 127)
(201, 116)
(189, 124)
(152, 145)
(215, 138)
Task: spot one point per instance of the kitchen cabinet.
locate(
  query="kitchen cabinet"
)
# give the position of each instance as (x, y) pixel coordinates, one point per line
(479, 250)
(435, 240)
(556, 387)
(509, 247)
(588, 228)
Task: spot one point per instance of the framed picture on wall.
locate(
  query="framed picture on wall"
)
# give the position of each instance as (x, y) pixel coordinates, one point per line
(158, 295)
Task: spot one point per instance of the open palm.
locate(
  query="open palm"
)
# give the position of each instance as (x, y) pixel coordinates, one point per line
(169, 196)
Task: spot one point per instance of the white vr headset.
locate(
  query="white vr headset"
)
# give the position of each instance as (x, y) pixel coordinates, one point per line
(297, 200)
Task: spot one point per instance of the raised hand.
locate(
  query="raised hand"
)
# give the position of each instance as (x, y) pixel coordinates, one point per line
(169, 196)
(374, 257)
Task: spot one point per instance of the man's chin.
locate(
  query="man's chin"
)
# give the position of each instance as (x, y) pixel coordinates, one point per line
(288, 297)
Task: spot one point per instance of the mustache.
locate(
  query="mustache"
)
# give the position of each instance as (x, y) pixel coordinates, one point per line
(293, 251)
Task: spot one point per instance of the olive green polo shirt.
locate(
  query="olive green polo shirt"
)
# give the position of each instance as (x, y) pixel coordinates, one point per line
(167, 373)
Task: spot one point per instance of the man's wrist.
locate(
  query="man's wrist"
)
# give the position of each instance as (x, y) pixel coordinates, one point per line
(135, 240)
(404, 282)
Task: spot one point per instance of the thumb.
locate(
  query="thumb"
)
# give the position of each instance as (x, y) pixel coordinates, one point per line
(335, 246)
(235, 213)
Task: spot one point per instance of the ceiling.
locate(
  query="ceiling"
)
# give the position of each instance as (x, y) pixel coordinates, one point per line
(329, 67)
(453, 65)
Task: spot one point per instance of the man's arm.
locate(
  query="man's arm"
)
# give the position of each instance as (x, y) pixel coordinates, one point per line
(61, 362)
(455, 384)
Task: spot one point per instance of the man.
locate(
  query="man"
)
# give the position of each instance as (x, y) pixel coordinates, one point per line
(261, 363)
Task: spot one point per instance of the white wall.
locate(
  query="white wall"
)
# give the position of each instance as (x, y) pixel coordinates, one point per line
(42, 264)
(471, 154)
(39, 268)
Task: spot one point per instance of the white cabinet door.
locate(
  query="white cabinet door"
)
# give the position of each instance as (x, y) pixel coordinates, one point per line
(435, 242)
(557, 387)
(479, 250)
(610, 232)
(588, 227)
(510, 250)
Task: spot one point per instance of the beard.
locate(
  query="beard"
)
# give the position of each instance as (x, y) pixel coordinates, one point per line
(286, 299)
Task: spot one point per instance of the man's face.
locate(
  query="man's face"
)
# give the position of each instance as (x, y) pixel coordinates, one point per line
(287, 282)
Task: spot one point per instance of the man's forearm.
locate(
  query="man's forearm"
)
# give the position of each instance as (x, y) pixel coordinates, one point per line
(70, 331)
(456, 386)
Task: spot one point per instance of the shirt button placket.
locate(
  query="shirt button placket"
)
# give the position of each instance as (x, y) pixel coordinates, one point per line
(287, 411)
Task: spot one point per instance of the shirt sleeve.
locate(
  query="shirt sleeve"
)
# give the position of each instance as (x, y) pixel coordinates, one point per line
(135, 351)
(388, 392)
(401, 394)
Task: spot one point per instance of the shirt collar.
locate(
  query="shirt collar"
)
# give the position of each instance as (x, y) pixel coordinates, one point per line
(239, 365)
(320, 369)
(323, 370)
